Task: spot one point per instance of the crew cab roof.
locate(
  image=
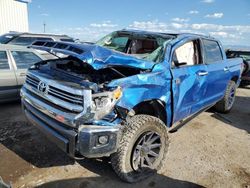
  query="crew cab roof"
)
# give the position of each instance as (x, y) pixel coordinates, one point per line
(162, 34)
(100, 57)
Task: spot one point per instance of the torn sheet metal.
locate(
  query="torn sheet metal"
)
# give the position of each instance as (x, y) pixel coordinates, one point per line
(136, 89)
(145, 87)
(98, 57)
(154, 84)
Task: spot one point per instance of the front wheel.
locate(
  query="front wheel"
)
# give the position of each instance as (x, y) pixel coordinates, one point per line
(142, 149)
(226, 103)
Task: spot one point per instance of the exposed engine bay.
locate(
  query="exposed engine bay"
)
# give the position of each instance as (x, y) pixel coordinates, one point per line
(83, 71)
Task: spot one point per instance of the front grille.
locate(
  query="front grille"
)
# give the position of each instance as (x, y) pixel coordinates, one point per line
(48, 102)
(64, 95)
(56, 93)
(33, 81)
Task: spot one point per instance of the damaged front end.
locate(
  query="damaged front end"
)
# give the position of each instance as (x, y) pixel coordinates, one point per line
(80, 88)
(74, 104)
(81, 100)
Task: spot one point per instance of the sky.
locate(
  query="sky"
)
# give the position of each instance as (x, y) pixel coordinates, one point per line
(89, 20)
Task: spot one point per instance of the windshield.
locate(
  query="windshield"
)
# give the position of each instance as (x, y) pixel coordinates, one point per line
(149, 47)
(4, 39)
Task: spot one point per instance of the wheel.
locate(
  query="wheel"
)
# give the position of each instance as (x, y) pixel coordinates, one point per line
(142, 149)
(226, 103)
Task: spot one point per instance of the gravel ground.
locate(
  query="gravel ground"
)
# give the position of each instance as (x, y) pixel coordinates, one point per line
(213, 150)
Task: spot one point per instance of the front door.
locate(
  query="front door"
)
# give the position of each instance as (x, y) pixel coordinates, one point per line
(8, 83)
(189, 80)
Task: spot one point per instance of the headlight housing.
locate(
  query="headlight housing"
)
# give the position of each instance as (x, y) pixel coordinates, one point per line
(104, 102)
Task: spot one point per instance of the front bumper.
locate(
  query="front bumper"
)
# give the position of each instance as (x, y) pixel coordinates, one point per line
(83, 140)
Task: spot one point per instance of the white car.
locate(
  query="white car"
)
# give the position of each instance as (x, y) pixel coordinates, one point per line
(14, 62)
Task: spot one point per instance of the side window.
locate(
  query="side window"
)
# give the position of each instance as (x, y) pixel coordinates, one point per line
(117, 43)
(186, 54)
(43, 38)
(24, 41)
(67, 40)
(212, 51)
(25, 59)
(21, 41)
(3, 61)
(120, 41)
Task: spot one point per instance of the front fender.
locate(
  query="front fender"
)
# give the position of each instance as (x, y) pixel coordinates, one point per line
(145, 87)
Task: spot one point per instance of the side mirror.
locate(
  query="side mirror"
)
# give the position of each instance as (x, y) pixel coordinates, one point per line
(182, 63)
(177, 64)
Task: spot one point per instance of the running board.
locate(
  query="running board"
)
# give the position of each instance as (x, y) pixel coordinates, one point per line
(183, 122)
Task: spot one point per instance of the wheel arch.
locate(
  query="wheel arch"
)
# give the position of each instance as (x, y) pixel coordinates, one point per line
(153, 107)
(235, 79)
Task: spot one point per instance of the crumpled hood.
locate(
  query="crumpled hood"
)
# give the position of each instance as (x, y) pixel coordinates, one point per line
(98, 57)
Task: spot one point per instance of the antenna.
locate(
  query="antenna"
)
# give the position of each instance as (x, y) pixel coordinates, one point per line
(44, 26)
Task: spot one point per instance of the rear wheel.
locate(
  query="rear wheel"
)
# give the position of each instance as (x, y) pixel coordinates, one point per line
(226, 103)
(142, 150)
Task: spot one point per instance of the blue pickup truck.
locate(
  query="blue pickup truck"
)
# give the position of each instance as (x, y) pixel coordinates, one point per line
(122, 96)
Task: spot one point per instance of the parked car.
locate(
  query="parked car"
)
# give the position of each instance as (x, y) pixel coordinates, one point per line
(14, 62)
(26, 39)
(245, 55)
(122, 96)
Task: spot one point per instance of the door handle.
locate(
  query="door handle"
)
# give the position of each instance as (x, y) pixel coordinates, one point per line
(202, 73)
(22, 74)
(226, 69)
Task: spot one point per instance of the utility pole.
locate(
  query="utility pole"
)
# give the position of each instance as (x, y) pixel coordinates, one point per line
(44, 27)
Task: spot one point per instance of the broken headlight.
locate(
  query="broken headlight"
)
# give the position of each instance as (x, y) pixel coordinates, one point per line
(104, 102)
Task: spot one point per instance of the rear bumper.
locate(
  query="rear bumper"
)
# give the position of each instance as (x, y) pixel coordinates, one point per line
(83, 140)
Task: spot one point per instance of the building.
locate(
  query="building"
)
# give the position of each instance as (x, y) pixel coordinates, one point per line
(14, 16)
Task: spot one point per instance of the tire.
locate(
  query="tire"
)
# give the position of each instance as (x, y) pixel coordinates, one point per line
(125, 160)
(226, 103)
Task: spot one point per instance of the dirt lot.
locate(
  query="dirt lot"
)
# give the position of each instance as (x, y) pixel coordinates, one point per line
(213, 150)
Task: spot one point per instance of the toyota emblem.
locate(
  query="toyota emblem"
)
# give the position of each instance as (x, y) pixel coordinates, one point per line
(42, 87)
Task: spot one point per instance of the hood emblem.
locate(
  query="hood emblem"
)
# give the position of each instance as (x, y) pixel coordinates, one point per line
(42, 87)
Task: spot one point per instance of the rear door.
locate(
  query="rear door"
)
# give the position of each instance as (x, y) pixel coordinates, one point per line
(8, 82)
(189, 80)
(218, 71)
(22, 61)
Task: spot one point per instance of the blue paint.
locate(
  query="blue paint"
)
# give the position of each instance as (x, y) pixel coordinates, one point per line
(181, 89)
